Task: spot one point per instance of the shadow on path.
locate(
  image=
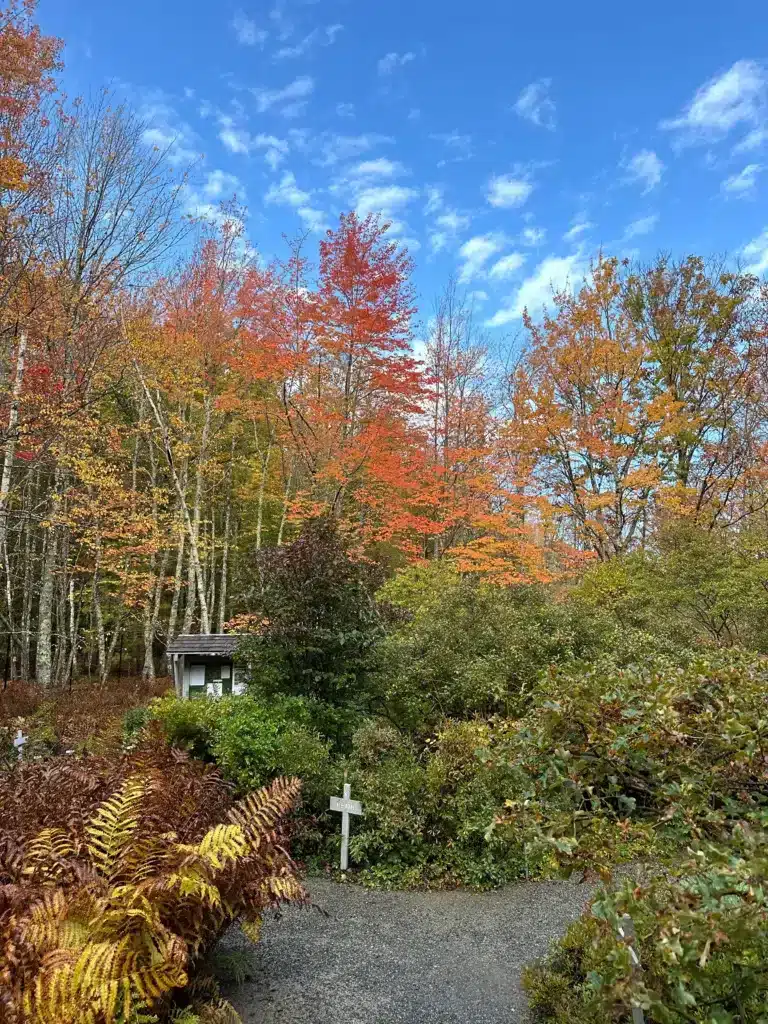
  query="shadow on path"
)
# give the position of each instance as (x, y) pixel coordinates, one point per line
(410, 957)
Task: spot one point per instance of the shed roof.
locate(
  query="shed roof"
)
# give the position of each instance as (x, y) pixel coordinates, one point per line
(222, 644)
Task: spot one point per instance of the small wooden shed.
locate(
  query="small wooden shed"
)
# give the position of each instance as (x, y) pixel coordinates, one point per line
(203, 665)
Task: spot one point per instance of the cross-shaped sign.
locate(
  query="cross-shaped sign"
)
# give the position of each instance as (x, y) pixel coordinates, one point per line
(347, 807)
(18, 741)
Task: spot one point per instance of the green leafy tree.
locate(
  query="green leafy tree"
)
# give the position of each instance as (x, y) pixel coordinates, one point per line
(317, 628)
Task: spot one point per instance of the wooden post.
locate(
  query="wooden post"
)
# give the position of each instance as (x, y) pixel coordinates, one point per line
(627, 933)
(346, 806)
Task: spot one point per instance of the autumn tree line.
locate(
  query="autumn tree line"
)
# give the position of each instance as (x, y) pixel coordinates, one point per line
(172, 403)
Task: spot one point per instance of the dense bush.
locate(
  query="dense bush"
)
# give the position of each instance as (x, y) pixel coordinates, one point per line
(252, 739)
(428, 809)
(702, 940)
(466, 648)
(116, 877)
(699, 589)
(615, 763)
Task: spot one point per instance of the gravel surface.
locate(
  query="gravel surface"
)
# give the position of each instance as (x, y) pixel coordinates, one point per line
(412, 957)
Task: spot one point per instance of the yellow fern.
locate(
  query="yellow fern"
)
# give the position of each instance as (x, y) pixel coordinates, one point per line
(113, 826)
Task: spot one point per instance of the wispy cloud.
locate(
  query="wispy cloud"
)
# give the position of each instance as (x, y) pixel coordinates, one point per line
(458, 146)
(446, 227)
(378, 168)
(535, 104)
(507, 266)
(247, 31)
(387, 200)
(435, 197)
(345, 109)
(166, 129)
(336, 149)
(645, 168)
(288, 101)
(642, 226)
(756, 252)
(554, 274)
(737, 97)
(317, 37)
(742, 184)
(578, 228)
(390, 62)
(475, 254)
(506, 191)
(287, 193)
(222, 185)
(532, 236)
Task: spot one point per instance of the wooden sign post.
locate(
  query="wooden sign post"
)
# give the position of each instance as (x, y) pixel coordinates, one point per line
(18, 742)
(346, 806)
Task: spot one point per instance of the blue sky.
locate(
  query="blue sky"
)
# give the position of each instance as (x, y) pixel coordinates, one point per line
(506, 142)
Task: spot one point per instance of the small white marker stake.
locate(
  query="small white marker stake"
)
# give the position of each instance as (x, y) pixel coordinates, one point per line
(347, 807)
(18, 742)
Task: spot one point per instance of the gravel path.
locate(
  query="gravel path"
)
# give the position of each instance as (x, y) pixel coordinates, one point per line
(410, 957)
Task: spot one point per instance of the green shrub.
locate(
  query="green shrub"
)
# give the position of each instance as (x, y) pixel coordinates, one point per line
(613, 764)
(252, 740)
(702, 940)
(467, 648)
(428, 809)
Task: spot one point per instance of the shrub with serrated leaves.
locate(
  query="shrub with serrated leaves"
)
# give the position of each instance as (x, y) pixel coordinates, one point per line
(107, 908)
(702, 941)
(615, 764)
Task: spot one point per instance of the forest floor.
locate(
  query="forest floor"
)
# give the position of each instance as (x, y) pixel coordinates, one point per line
(366, 957)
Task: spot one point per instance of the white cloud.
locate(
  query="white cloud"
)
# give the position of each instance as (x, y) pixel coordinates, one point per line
(505, 191)
(288, 193)
(555, 273)
(737, 96)
(380, 167)
(275, 149)
(459, 146)
(392, 61)
(338, 148)
(646, 168)
(752, 140)
(576, 229)
(221, 185)
(384, 199)
(345, 109)
(757, 252)
(535, 104)
(247, 31)
(642, 226)
(322, 38)
(743, 183)
(447, 225)
(478, 295)
(507, 266)
(434, 199)
(236, 140)
(533, 236)
(476, 252)
(289, 100)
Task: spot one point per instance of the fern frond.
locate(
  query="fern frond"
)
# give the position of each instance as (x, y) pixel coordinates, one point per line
(112, 827)
(219, 1012)
(251, 928)
(259, 812)
(222, 844)
(44, 921)
(46, 849)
